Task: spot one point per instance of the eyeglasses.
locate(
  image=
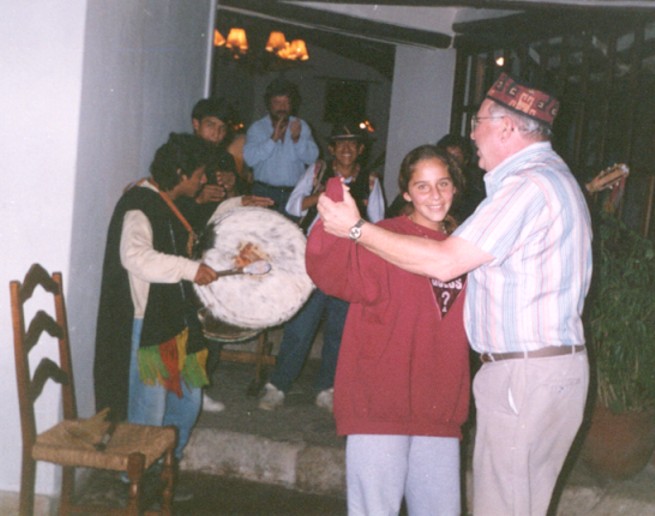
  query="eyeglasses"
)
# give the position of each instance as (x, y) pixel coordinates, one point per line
(475, 120)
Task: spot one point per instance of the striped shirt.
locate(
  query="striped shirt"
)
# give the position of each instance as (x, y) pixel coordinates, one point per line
(536, 225)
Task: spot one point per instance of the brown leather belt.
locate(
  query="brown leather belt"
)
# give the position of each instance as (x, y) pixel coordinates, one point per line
(550, 351)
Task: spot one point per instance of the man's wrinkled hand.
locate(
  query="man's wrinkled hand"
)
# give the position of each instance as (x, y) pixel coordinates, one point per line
(205, 275)
(338, 217)
(211, 193)
(256, 200)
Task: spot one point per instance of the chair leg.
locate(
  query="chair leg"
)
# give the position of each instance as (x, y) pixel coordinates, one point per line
(262, 356)
(28, 474)
(168, 481)
(260, 366)
(135, 472)
(67, 490)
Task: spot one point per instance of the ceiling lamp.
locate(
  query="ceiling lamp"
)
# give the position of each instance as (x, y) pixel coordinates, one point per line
(236, 40)
(299, 50)
(276, 41)
(294, 51)
(237, 43)
(219, 40)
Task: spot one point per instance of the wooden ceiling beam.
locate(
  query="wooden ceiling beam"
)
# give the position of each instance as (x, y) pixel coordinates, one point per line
(339, 23)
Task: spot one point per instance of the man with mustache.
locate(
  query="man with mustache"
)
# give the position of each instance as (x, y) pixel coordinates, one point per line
(279, 146)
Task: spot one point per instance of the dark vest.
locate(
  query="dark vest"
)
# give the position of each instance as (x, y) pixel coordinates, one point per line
(170, 307)
(360, 189)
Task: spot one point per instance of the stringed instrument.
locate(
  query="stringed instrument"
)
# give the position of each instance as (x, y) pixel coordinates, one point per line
(608, 178)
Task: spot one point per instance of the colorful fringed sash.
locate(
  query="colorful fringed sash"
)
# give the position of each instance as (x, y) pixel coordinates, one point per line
(169, 364)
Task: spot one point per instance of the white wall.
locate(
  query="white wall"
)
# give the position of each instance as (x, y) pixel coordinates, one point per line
(144, 66)
(421, 101)
(43, 50)
(94, 88)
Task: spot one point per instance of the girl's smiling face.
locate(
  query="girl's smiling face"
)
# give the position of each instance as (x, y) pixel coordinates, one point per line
(431, 192)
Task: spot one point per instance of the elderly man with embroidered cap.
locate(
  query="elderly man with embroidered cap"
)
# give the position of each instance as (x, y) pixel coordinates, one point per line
(527, 249)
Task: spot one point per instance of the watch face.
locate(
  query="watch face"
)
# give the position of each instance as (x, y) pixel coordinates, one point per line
(355, 233)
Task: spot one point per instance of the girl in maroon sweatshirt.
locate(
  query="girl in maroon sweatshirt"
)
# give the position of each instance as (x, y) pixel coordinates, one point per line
(402, 382)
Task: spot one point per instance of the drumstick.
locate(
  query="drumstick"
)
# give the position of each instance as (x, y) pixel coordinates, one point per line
(255, 268)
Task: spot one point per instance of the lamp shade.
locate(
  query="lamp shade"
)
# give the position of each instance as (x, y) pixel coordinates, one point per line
(299, 50)
(294, 51)
(236, 39)
(219, 40)
(276, 41)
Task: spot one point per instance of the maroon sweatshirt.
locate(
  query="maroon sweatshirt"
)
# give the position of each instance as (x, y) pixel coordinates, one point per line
(402, 368)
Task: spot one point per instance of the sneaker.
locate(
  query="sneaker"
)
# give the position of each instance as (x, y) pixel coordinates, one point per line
(272, 398)
(210, 405)
(325, 399)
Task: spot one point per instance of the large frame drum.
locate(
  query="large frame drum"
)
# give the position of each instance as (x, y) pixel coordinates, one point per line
(253, 302)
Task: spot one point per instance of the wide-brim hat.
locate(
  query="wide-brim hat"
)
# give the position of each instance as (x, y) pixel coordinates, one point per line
(348, 130)
(526, 100)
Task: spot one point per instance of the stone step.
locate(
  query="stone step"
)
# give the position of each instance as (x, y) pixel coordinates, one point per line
(297, 447)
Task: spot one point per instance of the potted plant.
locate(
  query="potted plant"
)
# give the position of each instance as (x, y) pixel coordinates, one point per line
(620, 319)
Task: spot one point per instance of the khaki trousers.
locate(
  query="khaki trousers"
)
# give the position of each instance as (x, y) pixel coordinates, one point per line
(528, 413)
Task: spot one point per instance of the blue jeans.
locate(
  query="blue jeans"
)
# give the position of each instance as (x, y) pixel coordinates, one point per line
(154, 405)
(279, 195)
(299, 333)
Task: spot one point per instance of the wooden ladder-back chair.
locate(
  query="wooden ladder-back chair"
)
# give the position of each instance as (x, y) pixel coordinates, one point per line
(92, 443)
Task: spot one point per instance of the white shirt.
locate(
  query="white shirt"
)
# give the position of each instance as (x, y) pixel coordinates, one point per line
(374, 208)
(145, 265)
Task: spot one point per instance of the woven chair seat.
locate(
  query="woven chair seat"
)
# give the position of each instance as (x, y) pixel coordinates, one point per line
(70, 445)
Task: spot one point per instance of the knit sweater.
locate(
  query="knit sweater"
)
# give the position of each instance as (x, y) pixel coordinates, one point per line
(402, 368)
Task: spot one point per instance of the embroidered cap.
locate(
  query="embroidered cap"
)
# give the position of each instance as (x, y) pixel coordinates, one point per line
(523, 99)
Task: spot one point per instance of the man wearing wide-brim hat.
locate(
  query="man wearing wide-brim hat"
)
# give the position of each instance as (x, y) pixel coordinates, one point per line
(527, 249)
(346, 144)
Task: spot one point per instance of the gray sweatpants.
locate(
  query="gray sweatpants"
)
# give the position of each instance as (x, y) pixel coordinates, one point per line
(381, 469)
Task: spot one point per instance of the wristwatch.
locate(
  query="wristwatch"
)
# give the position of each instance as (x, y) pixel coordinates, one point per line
(356, 231)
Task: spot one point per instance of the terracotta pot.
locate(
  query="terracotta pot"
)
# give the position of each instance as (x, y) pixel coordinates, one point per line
(618, 446)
